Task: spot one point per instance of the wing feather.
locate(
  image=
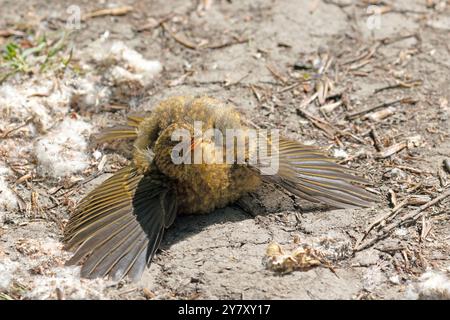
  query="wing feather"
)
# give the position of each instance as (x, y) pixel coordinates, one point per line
(116, 229)
(309, 173)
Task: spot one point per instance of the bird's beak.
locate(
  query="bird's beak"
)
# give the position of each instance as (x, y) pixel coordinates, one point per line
(195, 141)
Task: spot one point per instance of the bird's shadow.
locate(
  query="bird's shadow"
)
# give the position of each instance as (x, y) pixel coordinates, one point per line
(186, 226)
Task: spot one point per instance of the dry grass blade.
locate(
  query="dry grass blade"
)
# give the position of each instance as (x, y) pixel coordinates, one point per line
(380, 115)
(10, 32)
(227, 44)
(357, 114)
(118, 11)
(409, 84)
(364, 56)
(8, 132)
(391, 150)
(323, 125)
(330, 106)
(380, 220)
(181, 40)
(276, 74)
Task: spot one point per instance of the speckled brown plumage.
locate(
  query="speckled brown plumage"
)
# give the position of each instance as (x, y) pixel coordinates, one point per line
(117, 228)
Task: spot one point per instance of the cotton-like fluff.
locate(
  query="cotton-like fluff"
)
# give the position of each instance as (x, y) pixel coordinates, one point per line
(7, 270)
(68, 282)
(38, 100)
(8, 200)
(432, 285)
(117, 54)
(63, 150)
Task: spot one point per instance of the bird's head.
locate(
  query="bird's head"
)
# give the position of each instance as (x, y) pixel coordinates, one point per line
(182, 153)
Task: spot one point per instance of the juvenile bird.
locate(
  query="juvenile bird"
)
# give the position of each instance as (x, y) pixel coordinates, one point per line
(117, 227)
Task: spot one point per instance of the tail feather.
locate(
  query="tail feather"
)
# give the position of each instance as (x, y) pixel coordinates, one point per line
(128, 131)
(308, 173)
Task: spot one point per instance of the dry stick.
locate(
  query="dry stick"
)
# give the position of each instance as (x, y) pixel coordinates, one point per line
(226, 85)
(393, 149)
(256, 93)
(227, 44)
(388, 40)
(413, 170)
(340, 5)
(329, 129)
(179, 39)
(7, 133)
(118, 11)
(416, 214)
(379, 106)
(364, 56)
(150, 26)
(292, 86)
(323, 125)
(390, 214)
(307, 101)
(402, 85)
(359, 65)
(10, 32)
(376, 139)
(276, 74)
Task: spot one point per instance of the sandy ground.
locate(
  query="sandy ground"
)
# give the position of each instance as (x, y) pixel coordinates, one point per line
(267, 58)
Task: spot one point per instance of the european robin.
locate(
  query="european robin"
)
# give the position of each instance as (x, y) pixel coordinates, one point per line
(117, 227)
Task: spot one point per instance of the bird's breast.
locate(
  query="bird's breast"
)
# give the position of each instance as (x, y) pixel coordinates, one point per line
(215, 186)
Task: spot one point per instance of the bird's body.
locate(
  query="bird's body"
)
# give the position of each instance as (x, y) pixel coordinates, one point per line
(201, 187)
(117, 228)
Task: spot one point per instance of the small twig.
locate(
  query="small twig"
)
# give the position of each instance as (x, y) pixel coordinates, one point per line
(79, 184)
(7, 133)
(393, 197)
(338, 4)
(10, 32)
(179, 39)
(229, 84)
(276, 74)
(390, 214)
(413, 170)
(359, 65)
(416, 214)
(119, 11)
(357, 114)
(288, 88)
(256, 93)
(330, 106)
(307, 101)
(393, 149)
(411, 217)
(226, 44)
(326, 127)
(155, 24)
(400, 84)
(376, 140)
(388, 40)
(364, 56)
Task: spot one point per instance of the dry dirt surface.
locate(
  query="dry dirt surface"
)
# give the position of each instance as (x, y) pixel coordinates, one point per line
(368, 81)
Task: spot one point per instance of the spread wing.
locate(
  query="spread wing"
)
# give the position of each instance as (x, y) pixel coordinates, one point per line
(308, 173)
(117, 228)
